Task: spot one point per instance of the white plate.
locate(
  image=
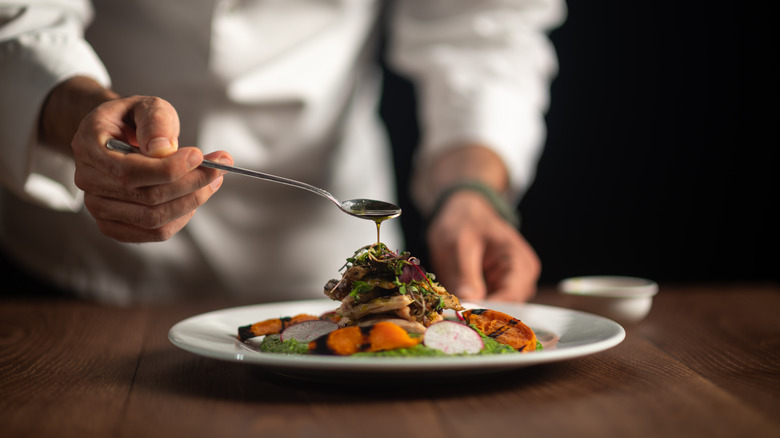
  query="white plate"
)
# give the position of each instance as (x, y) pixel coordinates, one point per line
(565, 334)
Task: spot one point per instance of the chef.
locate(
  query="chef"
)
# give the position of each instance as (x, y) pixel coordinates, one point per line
(288, 87)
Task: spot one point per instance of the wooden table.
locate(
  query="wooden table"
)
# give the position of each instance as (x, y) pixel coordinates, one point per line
(705, 363)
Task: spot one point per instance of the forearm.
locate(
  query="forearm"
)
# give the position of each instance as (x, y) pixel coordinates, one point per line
(473, 85)
(472, 162)
(64, 108)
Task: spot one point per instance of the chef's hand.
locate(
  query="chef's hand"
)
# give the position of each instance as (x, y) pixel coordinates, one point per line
(475, 252)
(136, 197)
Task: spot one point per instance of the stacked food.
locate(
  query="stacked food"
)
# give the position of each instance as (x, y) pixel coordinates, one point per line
(381, 285)
(388, 302)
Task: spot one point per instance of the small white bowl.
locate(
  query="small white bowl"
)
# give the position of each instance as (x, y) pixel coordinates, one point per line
(624, 299)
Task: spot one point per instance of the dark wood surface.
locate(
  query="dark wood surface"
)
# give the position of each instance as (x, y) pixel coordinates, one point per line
(706, 362)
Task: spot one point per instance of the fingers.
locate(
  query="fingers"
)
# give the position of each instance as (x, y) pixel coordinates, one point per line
(458, 267)
(137, 119)
(120, 119)
(148, 220)
(137, 178)
(457, 248)
(512, 269)
(148, 212)
(141, 197)
(476, 254)
(127, 233)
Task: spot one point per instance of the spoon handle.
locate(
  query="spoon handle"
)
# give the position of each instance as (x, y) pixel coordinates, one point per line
(120, 146)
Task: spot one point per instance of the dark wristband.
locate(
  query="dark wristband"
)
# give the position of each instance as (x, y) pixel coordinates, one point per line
(503, 208)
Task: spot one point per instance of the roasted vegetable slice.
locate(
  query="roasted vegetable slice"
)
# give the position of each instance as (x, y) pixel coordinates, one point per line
(503, 328)
(350, 340)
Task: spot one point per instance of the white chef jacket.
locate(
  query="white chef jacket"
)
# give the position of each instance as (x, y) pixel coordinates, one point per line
(287, 87)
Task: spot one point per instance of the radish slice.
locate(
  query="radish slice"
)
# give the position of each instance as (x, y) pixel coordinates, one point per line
(308, 331)
(453, 338)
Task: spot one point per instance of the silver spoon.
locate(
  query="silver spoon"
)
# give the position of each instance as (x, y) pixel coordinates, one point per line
(370, 209)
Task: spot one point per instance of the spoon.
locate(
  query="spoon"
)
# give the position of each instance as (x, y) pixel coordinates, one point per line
(370, 209)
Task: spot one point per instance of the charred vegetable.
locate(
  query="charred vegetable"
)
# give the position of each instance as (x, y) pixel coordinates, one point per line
(381, 336)
(503, 328)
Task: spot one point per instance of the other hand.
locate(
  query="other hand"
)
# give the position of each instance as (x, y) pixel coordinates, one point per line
(476, 254)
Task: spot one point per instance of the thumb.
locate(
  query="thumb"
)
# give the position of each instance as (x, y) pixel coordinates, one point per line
(157, 127)
(469, 281)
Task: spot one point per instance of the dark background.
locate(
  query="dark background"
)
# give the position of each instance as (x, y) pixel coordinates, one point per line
(661, 150)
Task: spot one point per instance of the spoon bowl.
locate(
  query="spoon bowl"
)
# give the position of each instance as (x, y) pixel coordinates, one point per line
(369, 209)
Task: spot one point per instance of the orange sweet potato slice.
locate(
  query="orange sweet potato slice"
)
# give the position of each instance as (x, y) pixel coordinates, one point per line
(389, 336)
(350, 340)
(503, 328)
(345, 341)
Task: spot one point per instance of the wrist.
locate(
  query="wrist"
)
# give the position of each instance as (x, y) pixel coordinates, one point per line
(64, 108)
(500, 205)
(471, 166)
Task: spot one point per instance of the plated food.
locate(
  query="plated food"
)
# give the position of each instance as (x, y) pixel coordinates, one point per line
(389, 305)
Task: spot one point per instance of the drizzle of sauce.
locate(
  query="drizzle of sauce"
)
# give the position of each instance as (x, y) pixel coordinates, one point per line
(379, 220)
(378, 216)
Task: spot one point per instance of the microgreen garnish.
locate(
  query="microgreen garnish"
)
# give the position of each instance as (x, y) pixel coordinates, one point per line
(397, 270)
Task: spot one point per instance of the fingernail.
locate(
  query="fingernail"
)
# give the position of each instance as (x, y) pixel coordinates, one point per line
(159, 146)
(225, 161)
(194, 159)
(216, 184)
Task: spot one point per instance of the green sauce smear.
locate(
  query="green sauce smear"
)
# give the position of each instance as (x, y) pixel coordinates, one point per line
(274, 344)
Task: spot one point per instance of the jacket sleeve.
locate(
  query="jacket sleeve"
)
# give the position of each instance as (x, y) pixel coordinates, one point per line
(482, 72)
(41, 45)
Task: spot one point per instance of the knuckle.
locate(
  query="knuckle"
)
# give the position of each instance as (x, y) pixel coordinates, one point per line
(80, 181)
(116, 231)
(159, 219)
(94, 207)
(149, 218)
(161, 234)
(151, 195)
(168, 230)
(94, 117)
(106, 229)
(200, 197)
(154, 102)
(155, 109)
(149, 102)
(122, 175)
(173, 169)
